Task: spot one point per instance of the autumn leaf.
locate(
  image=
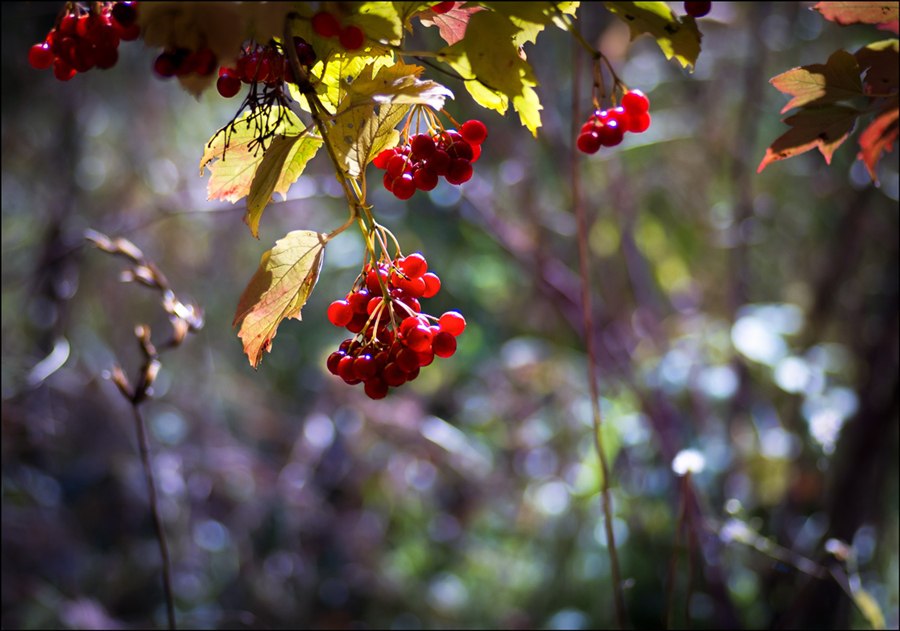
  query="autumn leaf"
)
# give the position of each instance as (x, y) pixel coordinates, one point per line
(824, 128)
(283, 162)
(278, 290)
(233, 154)
(878, 138)
(678, 38)
(531, 17)
(844, 13)
(374, 104)
(488, 54)
(879, 62)
(452, 24)
(821, 84)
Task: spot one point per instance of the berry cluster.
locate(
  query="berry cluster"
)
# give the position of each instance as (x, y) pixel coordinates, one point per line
(82, 39)
(179, 62)
(262, 64)
(606, 128)
(697, 9)
(418, 163)
(394, 338)
(325, 24)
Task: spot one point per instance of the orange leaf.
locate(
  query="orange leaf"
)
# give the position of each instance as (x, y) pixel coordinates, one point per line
(878, 138)
(278, 290)
(824, 128)
(845, 13)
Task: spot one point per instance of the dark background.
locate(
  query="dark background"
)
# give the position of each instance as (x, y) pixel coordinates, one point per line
(752, 318)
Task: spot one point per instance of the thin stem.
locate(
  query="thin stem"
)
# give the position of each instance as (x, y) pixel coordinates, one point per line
(144, 447)
(588, 332)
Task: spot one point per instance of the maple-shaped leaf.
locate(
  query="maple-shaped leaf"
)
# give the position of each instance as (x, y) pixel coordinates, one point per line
(283, 162)
(488, 54)
(879, 62)
(859, 12)
(824, 128)
(879, 137)
(532, 17)
(373, 105)
(678, 38)
(820, 84)
(278, 290)
(452, 24)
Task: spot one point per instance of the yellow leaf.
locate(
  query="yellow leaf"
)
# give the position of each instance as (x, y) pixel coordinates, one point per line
(278, 290)
(676, 38)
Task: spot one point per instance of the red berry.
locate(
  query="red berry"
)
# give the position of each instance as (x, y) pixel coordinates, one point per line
(432, 284)
(439, 162)
(228, 85)
(443, 344)
(396, 166)
(62, 70)
(426, 179)
(474, 132)
(340, 313)
(697, 9)
(40, 56)
(381, 160)
(165, 65)
(69, 24)
(376, 388)
(589, 142)
(459, 171)
(106, 57)
(635, 102)
(404, 186)
(443, 7)
(422, 146)
(452, 322)
(419, 338)
(639, 123)
(325, 24)
(611, 134)
(127, 33)
(413, 265)
(352, 37)
(125, 13)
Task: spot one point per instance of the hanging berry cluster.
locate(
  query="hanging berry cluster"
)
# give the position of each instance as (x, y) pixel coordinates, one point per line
(262, 64)
(423, 158)
(394, 338)
(325, 24)
(606, 128)
(83, 39)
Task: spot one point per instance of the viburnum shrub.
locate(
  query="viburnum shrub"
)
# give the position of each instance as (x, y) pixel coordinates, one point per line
(340, 77)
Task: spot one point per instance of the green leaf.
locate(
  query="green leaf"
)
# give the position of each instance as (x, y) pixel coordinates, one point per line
(406, 11)
(374, 104)
(879, 61)
(379, 21)
(824, 128)
(879, 137)
(282, 164)
(678, 38)
(232, 156)
(821, 84)
(492, 56)
(278, 290)
(532, 17)
(845, 13)
(869, 608)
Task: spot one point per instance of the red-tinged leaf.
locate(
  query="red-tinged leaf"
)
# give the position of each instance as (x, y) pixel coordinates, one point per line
(853, 12)
(879, 62)
(821, 84)
(452, 24)
(878, 138)
(893, 27)
(824, 128)
(278, 290)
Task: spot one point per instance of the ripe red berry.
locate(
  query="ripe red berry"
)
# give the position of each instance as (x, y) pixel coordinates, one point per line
(165, 65)
(422, 146)
(413, 265)
(459, 171)
(125, 13)
(443, 7)
(426, 179)
(324, 24)
(635, 102)
(376, 388)
(443, 344)
(589, 142)
(611, 134)
(40, 56)
(62, 70)
(404, 186)
(228, 85)
(432, 284)
(106, 57)
(352, 37)
(381, 160)
(639, 123)
(340, 313)
(697, 9)
(452, 322)
(474, 132)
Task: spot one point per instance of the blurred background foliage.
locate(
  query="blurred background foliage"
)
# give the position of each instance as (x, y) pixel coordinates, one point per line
(750, 319)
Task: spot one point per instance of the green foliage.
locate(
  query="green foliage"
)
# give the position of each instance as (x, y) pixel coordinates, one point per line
(678, 38)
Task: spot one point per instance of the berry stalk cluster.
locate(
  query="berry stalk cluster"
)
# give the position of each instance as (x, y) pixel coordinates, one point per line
(607, 128)
(424, 158)
(393, 338)
(83, 39)
(262, 64)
